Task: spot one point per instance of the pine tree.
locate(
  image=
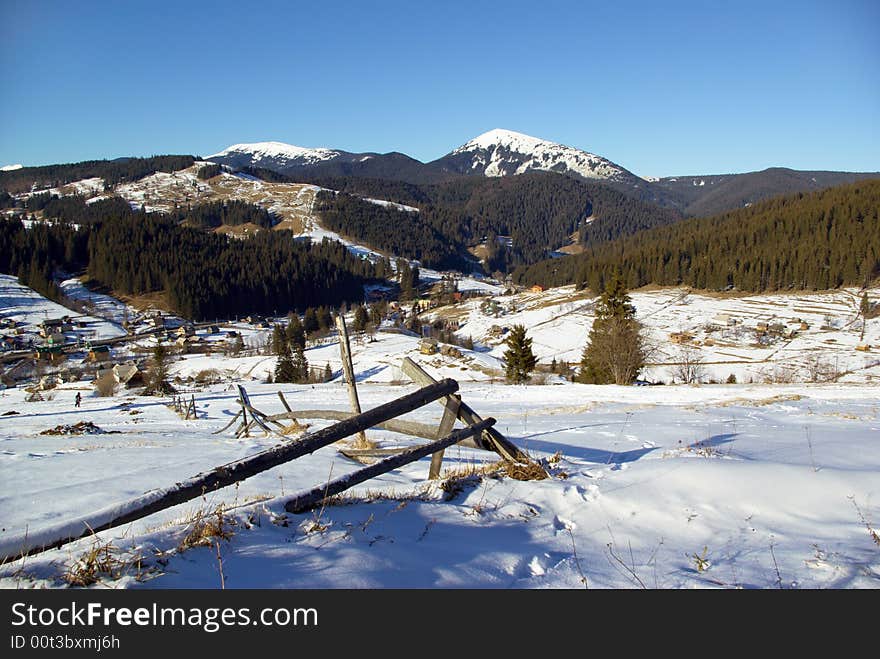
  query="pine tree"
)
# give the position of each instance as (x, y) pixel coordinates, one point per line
(359, 324)
(310, 321)
(157, 375)
(328, 372)
(285, 369)
(519, 359)
(295, 332)
(615, 351)
(279, 341)
(300, 365)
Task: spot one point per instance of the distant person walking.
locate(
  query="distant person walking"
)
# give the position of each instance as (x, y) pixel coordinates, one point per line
(78, 399)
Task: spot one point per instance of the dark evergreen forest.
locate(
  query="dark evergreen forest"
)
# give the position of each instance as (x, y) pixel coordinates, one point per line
(820, 240)
(112, 171)
(539, 211)
(205, 275)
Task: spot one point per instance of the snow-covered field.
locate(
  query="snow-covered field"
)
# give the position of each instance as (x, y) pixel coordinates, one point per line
(663, 487)
(28, 309)
(760, 484)
(723, 331)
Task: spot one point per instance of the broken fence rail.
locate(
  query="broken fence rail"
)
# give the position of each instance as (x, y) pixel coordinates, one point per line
(152, 502)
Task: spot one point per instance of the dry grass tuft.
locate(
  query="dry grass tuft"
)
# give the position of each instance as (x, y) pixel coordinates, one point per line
(206, 527)
(100, 561)
(295, 429)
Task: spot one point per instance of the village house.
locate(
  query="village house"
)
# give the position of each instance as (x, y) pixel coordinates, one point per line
(99, 354)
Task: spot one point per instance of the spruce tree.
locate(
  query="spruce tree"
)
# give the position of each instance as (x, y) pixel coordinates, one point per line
(519, 358)
(299, 364)
(310, 321)
(359, 324)
(615, 351)
(285, 368)
(279, 341)
(157, 375)
(295, 333)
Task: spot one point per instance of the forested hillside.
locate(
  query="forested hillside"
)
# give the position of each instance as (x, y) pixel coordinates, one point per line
(112, 171)
(538, 211)
(820, 240)
(204, 275)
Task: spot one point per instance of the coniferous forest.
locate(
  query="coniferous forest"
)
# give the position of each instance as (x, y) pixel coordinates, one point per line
(539, 211)
(112, 171)
(820, 240)
(204, 275)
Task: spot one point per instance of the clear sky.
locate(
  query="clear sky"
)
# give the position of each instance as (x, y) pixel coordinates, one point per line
(661, 88)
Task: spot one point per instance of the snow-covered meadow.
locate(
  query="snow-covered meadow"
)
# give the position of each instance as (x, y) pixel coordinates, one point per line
(663, 487)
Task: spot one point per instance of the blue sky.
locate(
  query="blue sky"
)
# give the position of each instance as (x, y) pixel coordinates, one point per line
(660, 88)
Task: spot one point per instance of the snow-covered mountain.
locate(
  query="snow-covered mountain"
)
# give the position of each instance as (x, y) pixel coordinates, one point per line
(10, 168)
(300, 161)
(502, 152)
(277, 156)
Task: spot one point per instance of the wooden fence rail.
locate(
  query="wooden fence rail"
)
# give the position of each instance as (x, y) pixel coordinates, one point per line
(306, 500)
(152, 502)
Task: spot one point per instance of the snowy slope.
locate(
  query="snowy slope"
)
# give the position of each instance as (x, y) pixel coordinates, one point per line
(273, 155)
(503, 152)
(766, 485)
(749, 485)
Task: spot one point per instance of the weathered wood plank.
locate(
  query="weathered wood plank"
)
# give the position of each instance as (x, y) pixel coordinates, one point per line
(305, 500)
(348, 370)
(491, 439)
(30, 543)
(450, 414)
(402, 426)
(284, 401)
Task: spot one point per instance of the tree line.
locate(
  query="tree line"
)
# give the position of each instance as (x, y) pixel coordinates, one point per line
(113, 172)
(821, 240)
(539, 211)
(205, 275)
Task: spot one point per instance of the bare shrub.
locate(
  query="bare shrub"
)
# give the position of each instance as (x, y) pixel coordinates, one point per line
(106, 386)
(688, 367)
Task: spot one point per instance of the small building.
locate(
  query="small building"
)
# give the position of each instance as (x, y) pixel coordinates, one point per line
(51, 326)
(680, 338)
(428, 346)
(213, 329)
(56, 339)
(185, 331)
(99, 354)
(761, 327)
(231, 334)
(537, 288)
(51, 354)
(863, 347)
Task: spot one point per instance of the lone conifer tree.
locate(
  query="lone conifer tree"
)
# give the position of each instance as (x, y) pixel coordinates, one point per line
(360, 319)
(295, 333)
(299, 364)
(285, 370)
(519, 358)
(157, 375)
(615, 351)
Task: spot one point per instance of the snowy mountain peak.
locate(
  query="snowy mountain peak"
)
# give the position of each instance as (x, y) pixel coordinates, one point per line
(10, 168)
(501, 152)
(507, 138)
(277, 151)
